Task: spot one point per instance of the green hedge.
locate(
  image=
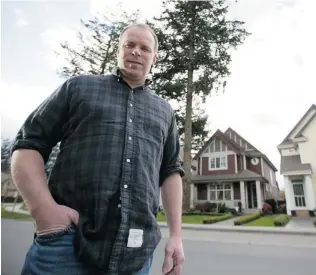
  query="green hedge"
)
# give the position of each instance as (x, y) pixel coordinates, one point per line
(281, 220)
(217, 219)
(248, 218)
(198, 213)
(203, 214)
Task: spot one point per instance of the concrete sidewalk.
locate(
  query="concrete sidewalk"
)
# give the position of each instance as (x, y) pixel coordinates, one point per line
(247, 229)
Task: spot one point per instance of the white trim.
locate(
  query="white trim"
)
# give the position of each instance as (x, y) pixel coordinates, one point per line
(262, 171)
(201, 162)
(245, 162)
(300, 139)
(236, 167)
(294, 173)
(286, 146)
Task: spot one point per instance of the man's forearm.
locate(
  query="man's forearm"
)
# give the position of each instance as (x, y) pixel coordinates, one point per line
(28, 174)
(171, 195)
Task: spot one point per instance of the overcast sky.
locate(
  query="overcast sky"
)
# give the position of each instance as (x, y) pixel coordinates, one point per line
(270, 88)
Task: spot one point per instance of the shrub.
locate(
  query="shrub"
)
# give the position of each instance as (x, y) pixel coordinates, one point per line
(281, 209)
(315, 222)
(217, 219)
(209, 207)
(273, 204)
(199, 207)
(281, 220)
(248, 218)
(222, 208)
(266, 209)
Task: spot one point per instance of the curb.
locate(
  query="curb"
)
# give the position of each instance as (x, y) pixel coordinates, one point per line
(241, 229)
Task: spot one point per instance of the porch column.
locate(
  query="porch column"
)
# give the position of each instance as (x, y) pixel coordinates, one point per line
(192, 189)
(259, 195)
(242, 194)
(289, 196)
(309, 196)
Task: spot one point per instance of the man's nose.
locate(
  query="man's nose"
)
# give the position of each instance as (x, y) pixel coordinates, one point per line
(136, 52)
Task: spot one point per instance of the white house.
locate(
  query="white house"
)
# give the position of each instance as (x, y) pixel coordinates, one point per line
(298, 166)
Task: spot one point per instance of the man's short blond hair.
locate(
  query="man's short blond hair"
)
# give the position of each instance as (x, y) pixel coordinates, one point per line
(141, 25)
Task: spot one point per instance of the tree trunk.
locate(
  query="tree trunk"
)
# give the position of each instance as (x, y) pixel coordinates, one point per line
(188, 125)
(187, 143)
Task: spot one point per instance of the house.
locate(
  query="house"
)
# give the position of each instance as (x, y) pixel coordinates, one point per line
(8, 189)
(298, 165)
(231, 170)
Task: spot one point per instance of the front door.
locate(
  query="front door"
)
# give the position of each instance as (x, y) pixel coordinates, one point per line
(299, 194)
(252, 195)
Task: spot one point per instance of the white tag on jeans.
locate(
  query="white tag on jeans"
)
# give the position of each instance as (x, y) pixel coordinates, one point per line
(135, 238)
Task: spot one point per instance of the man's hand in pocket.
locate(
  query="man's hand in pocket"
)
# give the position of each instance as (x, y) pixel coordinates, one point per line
(53, 217)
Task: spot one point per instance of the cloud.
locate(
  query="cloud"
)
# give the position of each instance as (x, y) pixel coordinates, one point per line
(52, 38)
(21, 22)
(18, 11)
(17, 102)
(147, 11)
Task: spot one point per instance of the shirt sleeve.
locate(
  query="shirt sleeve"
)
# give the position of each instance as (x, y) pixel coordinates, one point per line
(171, 162)
(43, 128)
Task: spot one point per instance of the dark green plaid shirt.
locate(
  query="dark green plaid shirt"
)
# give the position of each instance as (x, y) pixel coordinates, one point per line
(117, 146)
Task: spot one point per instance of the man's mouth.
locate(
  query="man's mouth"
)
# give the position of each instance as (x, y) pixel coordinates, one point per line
(135, 62)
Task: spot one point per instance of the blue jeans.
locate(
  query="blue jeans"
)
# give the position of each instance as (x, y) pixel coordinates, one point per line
(53, 254)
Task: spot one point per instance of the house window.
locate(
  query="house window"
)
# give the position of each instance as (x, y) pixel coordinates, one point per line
(217, 146)
(218, 162)
(299, 196)
(220, 192)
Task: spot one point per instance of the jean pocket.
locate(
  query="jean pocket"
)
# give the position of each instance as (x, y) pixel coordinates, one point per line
(52, 236)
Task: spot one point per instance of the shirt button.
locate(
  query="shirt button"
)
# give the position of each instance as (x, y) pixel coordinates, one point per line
(125, 186)
(130, 138)
(119, 206)
(128, 160)
(131, 105)
(130, 120)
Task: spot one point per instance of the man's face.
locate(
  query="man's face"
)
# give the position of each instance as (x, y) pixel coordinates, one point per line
(136, 53)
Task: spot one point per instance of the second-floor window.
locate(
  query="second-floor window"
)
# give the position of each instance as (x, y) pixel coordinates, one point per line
(219, 162)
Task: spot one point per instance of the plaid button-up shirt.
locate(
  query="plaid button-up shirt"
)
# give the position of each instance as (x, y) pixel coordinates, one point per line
(117, 146)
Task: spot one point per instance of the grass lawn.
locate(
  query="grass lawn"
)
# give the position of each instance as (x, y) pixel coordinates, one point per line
(192, 219)
(12, 215)
(264, 221)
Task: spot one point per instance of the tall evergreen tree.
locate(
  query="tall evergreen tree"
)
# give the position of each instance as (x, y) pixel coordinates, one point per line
(196, 39)
(96, 49)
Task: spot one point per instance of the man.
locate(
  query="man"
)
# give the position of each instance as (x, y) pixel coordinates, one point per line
(118, 145)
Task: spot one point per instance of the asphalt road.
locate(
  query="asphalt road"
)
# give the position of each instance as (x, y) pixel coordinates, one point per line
(206, 252)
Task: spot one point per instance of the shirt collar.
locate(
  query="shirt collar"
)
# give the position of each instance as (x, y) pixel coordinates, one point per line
(117, 72)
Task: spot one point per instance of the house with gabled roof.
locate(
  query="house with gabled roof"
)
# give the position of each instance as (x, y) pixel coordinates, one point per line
(298, 166)
(231, 170)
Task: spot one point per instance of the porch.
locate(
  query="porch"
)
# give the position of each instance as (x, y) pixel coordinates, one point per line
(300, 196)
(250, 192)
